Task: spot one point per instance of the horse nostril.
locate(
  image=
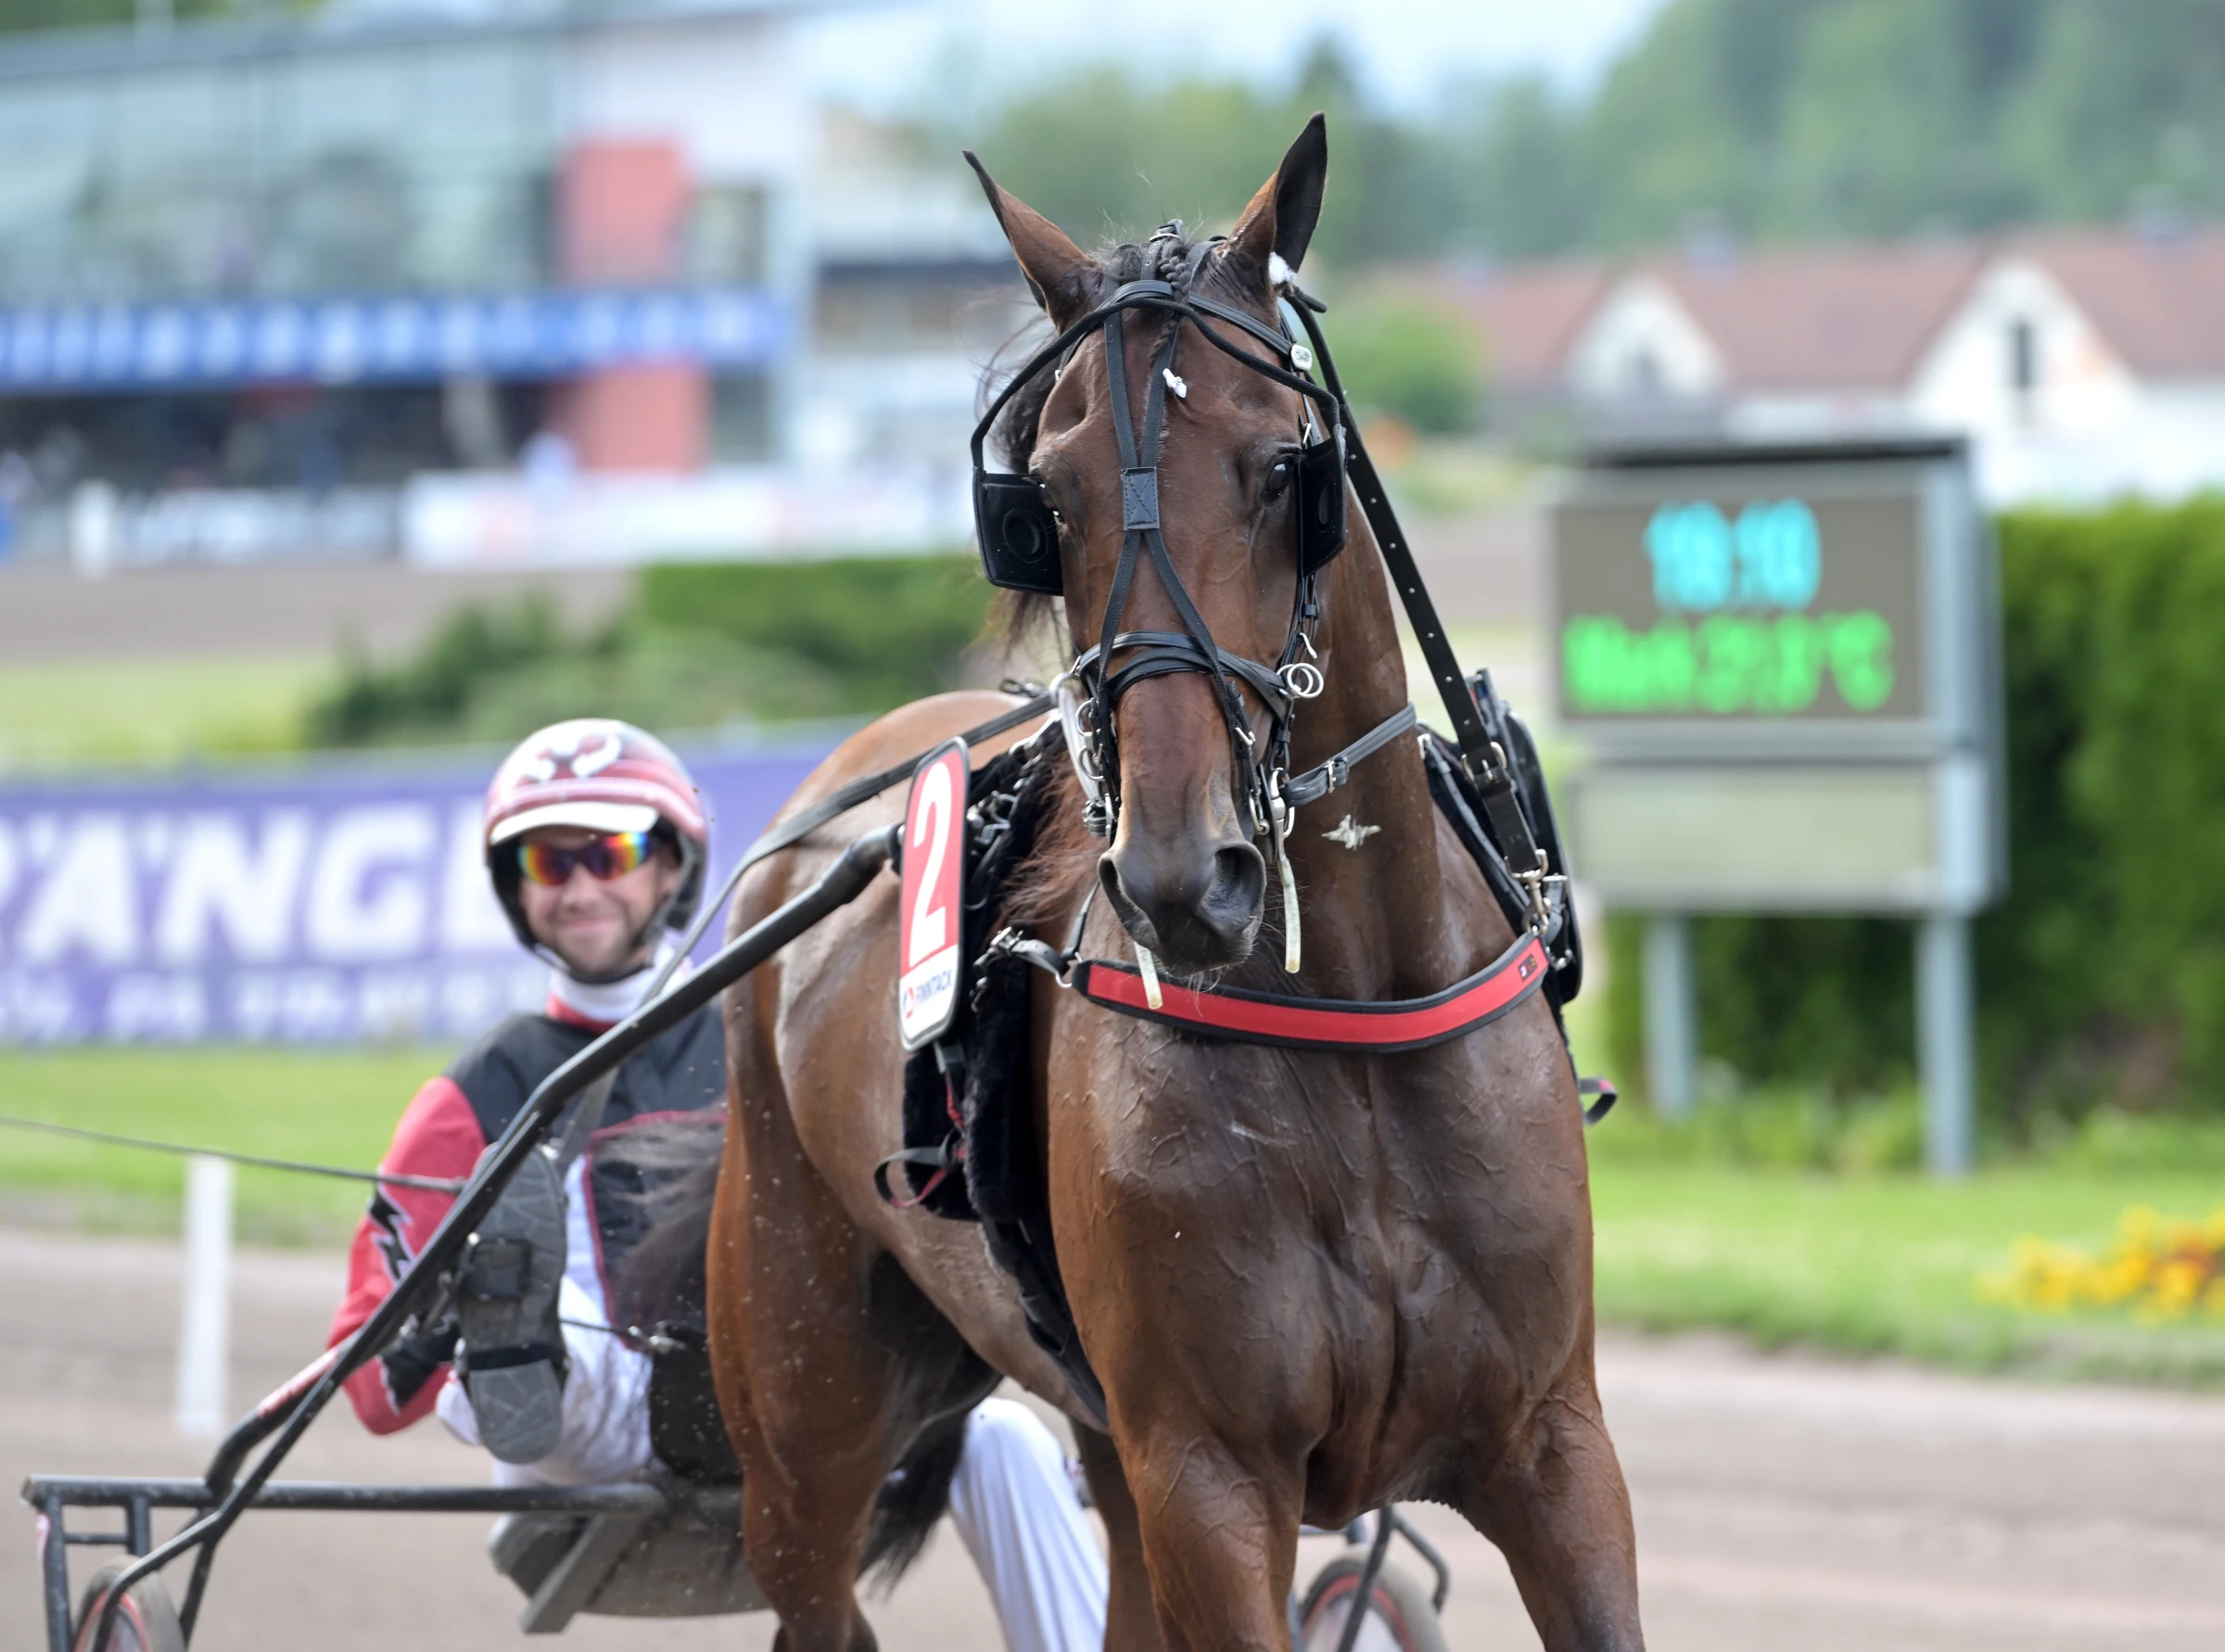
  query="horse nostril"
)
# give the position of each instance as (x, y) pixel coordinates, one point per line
(1108, 877)
(1201, 915)
(1239, 880)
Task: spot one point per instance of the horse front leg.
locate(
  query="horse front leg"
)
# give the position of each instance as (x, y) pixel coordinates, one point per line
(1220, 1539)
(1555, 1504)
(1131, 1622)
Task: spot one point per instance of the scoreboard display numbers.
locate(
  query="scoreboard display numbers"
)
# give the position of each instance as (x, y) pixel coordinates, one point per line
(1729, 605)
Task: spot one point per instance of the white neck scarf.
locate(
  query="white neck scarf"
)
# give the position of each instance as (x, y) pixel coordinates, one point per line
(608, 1002)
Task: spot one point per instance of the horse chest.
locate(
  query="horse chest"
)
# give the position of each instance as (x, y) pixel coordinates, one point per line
(1388, 1208)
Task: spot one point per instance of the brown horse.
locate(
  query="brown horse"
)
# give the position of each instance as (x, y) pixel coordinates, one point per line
(1312, 1284)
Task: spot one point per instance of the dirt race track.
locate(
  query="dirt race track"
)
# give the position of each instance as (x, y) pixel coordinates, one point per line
(1781, 1503)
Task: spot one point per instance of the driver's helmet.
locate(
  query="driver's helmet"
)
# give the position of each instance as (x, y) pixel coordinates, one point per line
(606, 776)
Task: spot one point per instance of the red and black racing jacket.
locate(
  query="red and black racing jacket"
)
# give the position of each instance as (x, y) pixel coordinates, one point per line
(442, 1134)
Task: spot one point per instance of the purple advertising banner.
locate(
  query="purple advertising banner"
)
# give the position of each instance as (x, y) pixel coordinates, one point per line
(333, 903)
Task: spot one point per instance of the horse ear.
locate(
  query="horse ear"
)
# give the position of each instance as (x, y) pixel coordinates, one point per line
(1280, 221)
(1061, 275)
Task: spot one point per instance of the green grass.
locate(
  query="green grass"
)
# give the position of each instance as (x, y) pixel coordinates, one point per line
(152, 713)
(336, 1108)
(1875, 1264)
(1883, 1264)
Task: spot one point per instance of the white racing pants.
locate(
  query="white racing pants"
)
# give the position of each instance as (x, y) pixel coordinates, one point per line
(1011, 1500)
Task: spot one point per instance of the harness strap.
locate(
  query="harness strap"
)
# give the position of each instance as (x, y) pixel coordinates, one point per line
(1157, 653)
(941, 1159)
(1324, 777)
(795, 829)
(1486, 765)
(1359, 1027)
(1278, 342)
(1140, 521)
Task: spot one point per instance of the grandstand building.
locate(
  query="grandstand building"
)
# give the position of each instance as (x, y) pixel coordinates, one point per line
(531, 283)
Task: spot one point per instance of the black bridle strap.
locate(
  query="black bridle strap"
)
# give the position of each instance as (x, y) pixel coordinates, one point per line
(1154, 654)
(1124, 571)
(1156, 295)
(1168, 652)
(1140, 521)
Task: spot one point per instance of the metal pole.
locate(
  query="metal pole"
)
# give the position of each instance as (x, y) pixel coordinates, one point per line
(1945, 1051)
(1672, 1014)
(53, 1567)
(204, 1330)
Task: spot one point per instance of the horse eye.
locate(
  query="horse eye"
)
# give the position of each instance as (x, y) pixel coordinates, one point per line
(1278, 481)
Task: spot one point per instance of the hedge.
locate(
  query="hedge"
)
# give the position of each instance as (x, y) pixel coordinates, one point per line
(2101, 978)
(889, 629)
(700, 645)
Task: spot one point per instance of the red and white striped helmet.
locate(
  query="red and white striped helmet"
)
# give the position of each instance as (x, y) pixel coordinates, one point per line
(604, 776)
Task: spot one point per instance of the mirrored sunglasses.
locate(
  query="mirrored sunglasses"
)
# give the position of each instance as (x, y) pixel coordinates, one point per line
(611, 855)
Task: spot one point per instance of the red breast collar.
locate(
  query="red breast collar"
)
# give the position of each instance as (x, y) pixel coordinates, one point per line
(1324, 1024)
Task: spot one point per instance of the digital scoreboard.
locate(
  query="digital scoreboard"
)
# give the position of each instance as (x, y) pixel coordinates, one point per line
(1779, 666)
(1736, 607)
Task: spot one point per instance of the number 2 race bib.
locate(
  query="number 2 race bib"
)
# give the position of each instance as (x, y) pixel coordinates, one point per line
(930, 958)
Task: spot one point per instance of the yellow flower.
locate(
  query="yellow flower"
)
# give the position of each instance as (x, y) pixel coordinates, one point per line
(2163, 1268)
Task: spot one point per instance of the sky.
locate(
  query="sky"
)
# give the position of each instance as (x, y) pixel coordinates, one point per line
(894, 57)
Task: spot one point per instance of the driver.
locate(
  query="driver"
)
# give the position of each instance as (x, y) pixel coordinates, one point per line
(595, 840)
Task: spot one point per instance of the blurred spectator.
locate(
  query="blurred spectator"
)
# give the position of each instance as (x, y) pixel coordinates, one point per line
(17, 485)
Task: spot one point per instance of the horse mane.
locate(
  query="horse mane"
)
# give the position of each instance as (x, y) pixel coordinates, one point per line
(1046, 887)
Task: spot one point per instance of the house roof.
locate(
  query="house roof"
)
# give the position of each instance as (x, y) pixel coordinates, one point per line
(1853, 318)
(1812, 318)
(2157, 300)
(1527, 317)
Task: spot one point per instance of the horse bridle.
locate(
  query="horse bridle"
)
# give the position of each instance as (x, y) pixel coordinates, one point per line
(1018, 530)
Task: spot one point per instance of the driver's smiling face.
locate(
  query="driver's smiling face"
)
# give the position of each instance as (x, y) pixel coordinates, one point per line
(589, 922)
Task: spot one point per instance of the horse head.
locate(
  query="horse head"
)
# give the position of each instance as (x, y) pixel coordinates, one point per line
(1188, 743)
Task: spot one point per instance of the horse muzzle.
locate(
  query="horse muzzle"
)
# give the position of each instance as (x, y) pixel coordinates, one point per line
(1196, 904)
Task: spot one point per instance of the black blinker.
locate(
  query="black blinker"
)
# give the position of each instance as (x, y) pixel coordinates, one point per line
(1019, 534)
(1321, 527)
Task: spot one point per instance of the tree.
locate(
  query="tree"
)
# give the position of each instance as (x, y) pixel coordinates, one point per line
(1412, 361)
(1779, 118)
(1519, 185)
(2117, 114)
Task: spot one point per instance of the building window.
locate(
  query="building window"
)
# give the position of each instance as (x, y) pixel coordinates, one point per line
(742, 418)
(2024, 364)
(726, 235)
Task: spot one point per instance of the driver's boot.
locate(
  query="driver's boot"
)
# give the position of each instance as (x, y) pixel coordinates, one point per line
(511, 1354)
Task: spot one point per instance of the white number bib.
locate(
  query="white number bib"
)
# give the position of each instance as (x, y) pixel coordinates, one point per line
(930, 963)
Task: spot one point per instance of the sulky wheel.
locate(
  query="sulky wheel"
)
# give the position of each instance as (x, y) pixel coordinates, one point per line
(1400, 1617)
(145, 1622)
